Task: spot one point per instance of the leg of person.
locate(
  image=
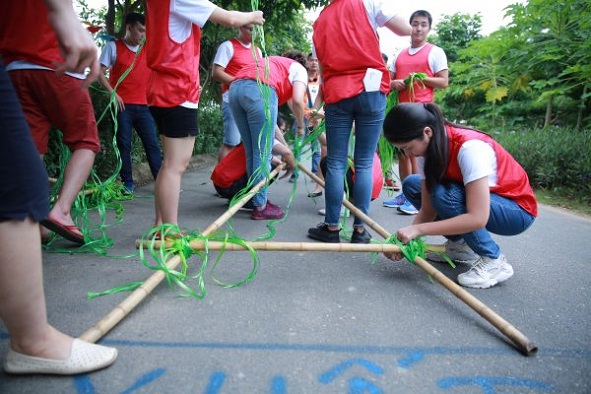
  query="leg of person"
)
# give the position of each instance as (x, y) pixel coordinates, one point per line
(72, 112)
(491, 267)
(315, 148)
(35, 346)
(249, 114)
(125, 120)
(231, 137)
(370, 109)
(177, 155)
(339, 122)
(146, 130)
(178, 127)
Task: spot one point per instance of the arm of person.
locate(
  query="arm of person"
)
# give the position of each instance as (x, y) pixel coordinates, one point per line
(297, 105)
(279, 136)
(219, 74)
(438, 81)
(236, 18)
(287, 157)
(399, 26)
(104, 82)
(476, 216)
(76, 45)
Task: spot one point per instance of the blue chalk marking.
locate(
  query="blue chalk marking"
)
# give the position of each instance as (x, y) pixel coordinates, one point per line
(278, 385)
(216, 381)
(488, 384)
(340, 369)
(410, 359)
(144, 380)
(362, 386)
(83, 385)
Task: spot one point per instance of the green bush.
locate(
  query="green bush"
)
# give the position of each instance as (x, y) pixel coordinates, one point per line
(555, 159)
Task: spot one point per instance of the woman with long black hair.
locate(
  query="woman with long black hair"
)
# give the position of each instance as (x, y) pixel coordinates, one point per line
(469, 186)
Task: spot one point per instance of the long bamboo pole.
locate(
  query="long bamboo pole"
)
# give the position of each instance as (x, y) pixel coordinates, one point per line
(127, 305)
(281, 246)
(522, 343)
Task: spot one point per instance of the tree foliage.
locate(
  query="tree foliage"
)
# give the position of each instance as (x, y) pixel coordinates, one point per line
(534, 71)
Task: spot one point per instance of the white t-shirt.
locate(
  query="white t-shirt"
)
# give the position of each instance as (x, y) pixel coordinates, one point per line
(437, 59)
(109, 53)
(476, 159)
(185, 13)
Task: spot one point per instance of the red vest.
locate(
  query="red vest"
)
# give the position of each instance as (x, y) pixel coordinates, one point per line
(278, 75)
(417, 63)
(241, 57)
(347, 45)
(512, 180)
(132, 88)
(231, 168)
(175, 66)
(25, 34)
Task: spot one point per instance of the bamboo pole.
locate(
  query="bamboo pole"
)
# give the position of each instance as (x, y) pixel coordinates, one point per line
(126, 306)
(522, 343)
(281, 246)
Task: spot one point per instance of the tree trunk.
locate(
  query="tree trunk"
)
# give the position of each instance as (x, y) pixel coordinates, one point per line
(549, 109)
(110, 18)
(581, 109)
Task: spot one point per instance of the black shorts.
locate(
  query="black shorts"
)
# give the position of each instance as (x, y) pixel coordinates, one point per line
(176, 122)
(24, 185)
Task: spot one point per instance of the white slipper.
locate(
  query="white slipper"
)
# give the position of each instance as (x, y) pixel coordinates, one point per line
(85, 357)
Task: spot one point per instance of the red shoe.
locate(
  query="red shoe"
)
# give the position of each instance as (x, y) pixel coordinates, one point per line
(269, 212)
(391, 185)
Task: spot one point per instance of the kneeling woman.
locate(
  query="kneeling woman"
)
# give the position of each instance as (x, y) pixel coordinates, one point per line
(469, 186)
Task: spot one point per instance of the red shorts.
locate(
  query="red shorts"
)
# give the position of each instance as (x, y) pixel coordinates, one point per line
(49, 99)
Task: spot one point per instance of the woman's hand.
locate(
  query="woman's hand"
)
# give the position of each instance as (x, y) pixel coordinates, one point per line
(405, 235)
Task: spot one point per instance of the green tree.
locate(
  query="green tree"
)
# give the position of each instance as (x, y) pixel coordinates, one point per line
(557, 54)
(456, 32)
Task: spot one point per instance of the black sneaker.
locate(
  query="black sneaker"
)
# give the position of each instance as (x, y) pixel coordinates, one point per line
(323, 234)
(361, 238)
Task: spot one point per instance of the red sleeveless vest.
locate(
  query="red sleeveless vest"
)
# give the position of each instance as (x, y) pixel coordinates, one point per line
(417, 63)
(512, 180)
(132, 88)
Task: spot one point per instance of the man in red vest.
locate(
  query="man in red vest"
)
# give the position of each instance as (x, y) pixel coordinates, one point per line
(231, 56)
(130, 92)
(420, 57)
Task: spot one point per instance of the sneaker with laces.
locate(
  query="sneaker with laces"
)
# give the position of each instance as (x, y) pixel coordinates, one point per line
(361, 238)
(323, 234)
(395, 202)
(408, 209)
(457, 251)
(269, 212)
(486, 273)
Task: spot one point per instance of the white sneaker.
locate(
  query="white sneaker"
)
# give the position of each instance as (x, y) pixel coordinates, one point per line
(486, 273)
(457, 251)
(344, 211)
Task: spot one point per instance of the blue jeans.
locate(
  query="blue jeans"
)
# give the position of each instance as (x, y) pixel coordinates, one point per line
(138, 117)
(231, 132)
(367, 111)
(257, 132)
(506, 217)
